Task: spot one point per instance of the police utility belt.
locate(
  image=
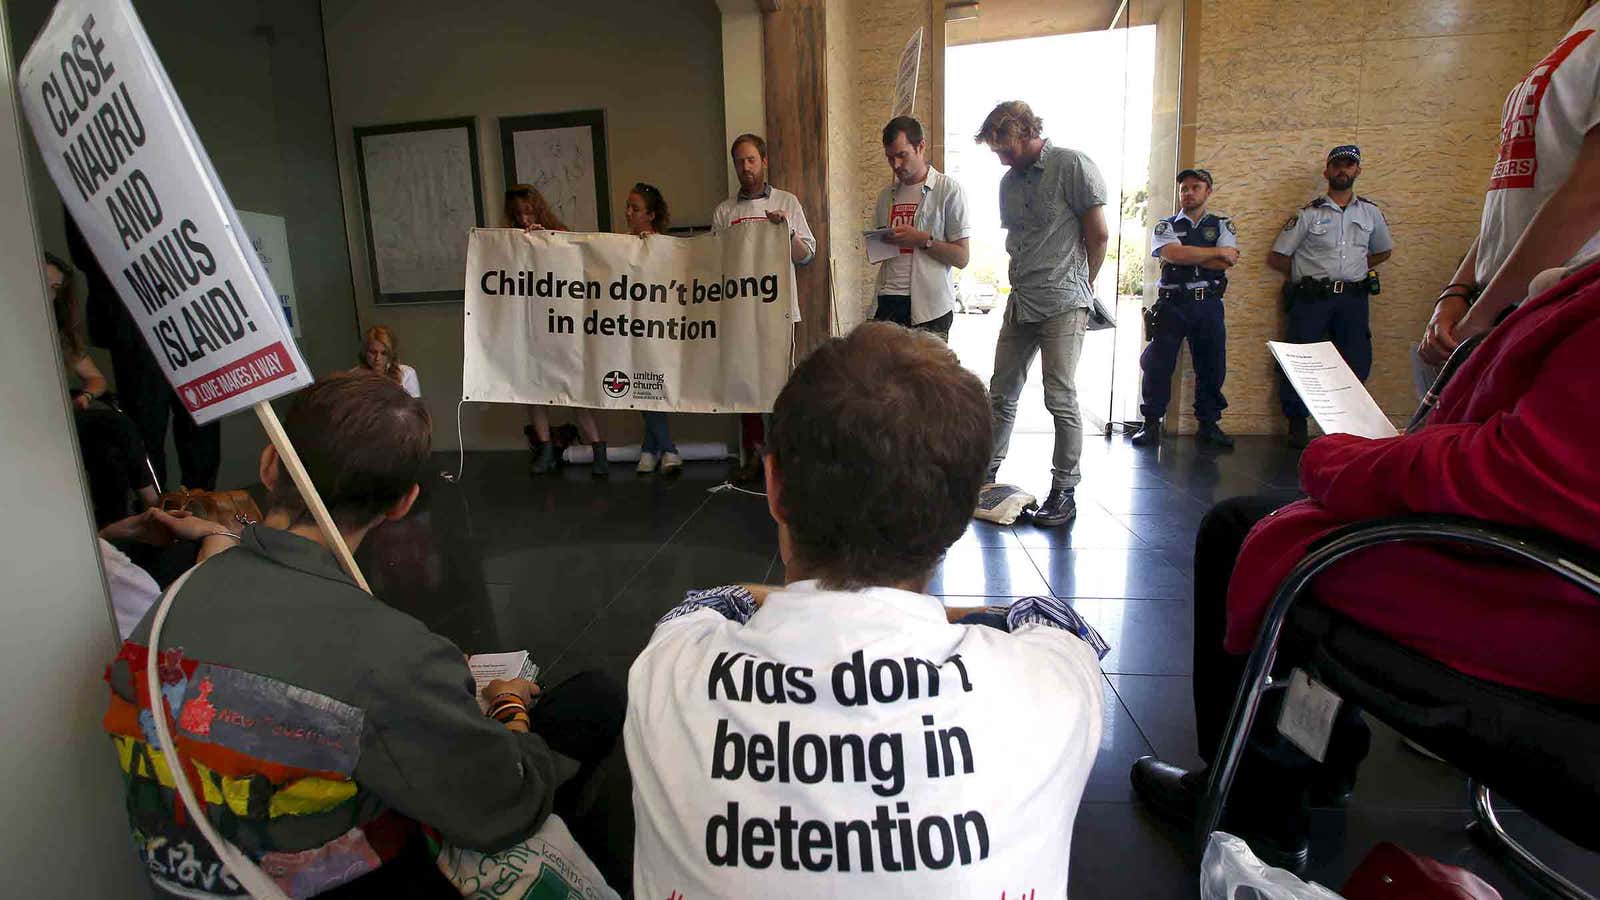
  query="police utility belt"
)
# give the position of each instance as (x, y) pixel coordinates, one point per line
(1189, 294)
(1323, 288)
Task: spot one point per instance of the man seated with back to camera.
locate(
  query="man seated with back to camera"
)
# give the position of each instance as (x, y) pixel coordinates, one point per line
(335, 724)
(1511, 441)
(847, 735)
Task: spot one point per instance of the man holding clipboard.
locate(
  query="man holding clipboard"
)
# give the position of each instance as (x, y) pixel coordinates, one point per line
(921, 233)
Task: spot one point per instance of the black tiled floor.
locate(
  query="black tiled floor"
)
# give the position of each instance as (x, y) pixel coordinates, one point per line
(577, 572)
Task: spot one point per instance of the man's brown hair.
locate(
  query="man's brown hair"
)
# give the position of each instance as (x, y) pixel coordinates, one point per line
(755, 140)
(364, 442)
(881, 441)
(1013, 118)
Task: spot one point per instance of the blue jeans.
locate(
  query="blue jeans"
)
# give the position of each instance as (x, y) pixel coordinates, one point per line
(656, 438)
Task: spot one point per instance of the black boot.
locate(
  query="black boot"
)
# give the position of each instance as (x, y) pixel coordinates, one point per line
(1212, 433)
(1059, 508)
(543, 453)
(1275, 825)
(1149, 435)
(1299, 437)
(600, 467)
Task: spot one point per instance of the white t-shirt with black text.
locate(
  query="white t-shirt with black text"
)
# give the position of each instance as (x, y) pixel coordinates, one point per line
(1542, 127)
(856, 744)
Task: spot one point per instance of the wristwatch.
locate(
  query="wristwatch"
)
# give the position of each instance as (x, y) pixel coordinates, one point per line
(928, 244)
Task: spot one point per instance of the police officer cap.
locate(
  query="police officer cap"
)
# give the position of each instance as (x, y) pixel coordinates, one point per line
(1201, 174)
(1346, 150)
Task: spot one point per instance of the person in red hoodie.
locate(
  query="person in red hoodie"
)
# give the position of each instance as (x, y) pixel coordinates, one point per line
(1511, 441)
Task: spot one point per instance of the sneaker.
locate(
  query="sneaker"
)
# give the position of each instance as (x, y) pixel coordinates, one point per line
(671, 463)
(1212, 433)
(1299, 437)
(1149, 435)
(647, 463)
(1059, 508)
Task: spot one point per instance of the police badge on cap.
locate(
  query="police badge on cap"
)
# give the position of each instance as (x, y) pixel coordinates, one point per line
(1345, 151)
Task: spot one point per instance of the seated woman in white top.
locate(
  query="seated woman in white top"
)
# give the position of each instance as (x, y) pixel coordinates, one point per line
(847, 735)
(380, 353)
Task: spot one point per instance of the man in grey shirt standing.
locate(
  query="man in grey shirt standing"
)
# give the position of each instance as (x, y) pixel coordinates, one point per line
(1052, 205)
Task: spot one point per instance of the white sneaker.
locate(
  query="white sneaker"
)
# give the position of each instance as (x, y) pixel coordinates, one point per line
(671, 462)
(647, 463)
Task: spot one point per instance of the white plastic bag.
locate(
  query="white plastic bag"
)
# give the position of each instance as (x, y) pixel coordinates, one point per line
(1230, 871)
(548, 864)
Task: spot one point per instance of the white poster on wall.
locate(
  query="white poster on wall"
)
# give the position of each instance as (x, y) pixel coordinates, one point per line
(133, 174)
(269, 237)
(421, 202)
(560, 163)
(701, 324)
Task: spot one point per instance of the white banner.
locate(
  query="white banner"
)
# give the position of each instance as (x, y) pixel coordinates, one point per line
(702, 324)
(131, 171)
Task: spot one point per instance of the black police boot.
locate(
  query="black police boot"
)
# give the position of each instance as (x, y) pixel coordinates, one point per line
(1275, 826)
(1149, 435)
(1058, 509)
(1299, 437)
(1212, 433)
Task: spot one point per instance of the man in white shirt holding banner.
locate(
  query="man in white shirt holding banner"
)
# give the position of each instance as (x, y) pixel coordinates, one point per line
(758, 200)
(848, 735)
(924, 213)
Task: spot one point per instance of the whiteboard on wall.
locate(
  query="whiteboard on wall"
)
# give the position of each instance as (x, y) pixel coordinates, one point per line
(419, 191)
(269, 236)
(563, 155)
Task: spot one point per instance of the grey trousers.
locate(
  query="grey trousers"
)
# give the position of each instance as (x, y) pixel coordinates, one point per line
(1060, 339)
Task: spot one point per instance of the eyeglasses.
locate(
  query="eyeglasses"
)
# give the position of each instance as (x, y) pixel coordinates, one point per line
(642, 188)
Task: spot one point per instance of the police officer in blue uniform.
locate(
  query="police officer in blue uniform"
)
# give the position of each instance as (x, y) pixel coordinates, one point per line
(1196, 249)
(1330, 250)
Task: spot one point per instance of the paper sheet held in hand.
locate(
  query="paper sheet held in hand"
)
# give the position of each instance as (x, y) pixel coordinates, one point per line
(878, 249)
(1333, 393)
(486, 667)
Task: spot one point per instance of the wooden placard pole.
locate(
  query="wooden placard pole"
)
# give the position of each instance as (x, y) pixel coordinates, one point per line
(308, 491)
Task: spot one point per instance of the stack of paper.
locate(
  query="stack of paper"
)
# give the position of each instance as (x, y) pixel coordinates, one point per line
(1336, 397)
(487, 667)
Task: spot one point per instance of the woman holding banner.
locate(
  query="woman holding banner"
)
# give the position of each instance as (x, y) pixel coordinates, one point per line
(527, 209)
(646, 214)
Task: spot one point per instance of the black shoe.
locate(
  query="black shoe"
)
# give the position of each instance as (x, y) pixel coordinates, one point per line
(1299, 437)
(1175, 795)
(1059, 508)
(1149, 435)
(1212, 433)
(600, 466)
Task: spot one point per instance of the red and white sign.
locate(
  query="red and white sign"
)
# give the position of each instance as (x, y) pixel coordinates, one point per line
(1519, 159)
(133, 175)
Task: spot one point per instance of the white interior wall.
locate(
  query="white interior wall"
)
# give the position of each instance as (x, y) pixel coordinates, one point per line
(64, 830)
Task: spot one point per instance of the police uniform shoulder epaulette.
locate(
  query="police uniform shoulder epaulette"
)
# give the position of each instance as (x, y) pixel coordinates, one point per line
(1227, 222)
(1362, 198)
(1315, 201)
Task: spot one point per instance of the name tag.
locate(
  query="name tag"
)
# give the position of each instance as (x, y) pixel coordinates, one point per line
(1307, 715)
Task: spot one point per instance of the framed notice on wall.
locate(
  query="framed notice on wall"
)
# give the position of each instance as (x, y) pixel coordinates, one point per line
(564, 156)
(420, 199)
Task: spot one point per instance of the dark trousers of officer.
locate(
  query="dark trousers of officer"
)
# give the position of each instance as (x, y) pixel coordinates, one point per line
(1341, 318)
(147, 398)
(1201, 323)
